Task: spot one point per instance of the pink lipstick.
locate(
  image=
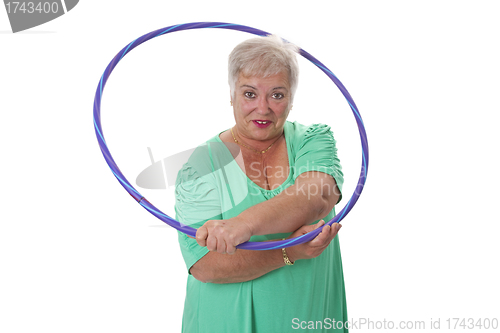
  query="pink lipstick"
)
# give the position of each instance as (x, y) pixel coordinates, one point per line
(262, 123)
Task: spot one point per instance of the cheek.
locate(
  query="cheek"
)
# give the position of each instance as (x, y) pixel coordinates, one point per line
(282, 109)
(241, 111)
(246, 107)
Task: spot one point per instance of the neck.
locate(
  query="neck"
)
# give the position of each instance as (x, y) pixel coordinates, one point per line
(256, 145)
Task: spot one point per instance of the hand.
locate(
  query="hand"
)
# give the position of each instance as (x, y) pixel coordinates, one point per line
(313, 248)
(223, 235)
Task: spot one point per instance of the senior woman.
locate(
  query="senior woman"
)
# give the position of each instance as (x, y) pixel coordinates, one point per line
(283, 181)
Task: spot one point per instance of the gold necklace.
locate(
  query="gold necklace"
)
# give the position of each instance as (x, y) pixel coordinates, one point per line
(255, 150)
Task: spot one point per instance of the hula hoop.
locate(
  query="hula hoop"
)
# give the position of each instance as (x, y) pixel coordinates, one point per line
(184, 228)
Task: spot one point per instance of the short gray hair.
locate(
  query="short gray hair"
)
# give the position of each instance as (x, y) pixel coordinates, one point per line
(264, 56)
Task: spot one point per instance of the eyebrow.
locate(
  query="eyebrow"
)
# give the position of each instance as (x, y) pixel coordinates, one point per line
(249, 86)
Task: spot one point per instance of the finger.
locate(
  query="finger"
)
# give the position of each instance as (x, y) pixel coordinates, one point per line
(201, 236)
(335, 229)
(211, 243)
(311, 227)
(328, 235)
(319, 224)
(303, 230)
(231, 249)
(221, 246)
(315, 241)
(322, 237)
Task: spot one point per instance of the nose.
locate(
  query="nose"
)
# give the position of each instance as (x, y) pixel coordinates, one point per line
(262, 105)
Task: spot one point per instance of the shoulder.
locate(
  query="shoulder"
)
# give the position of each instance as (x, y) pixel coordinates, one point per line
(298, 133)
(203, 160)
(296, 129)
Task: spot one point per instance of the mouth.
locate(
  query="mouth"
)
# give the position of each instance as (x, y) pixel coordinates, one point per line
(262, 123)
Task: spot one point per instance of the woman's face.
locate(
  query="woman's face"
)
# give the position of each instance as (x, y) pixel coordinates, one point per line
(261, 106)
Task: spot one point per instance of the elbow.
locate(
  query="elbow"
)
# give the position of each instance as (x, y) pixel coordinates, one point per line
(199, 277)
(327, 205)
(323, 206)
(209, 270)
(321, 190)
(206, 277)
(200, 274)
(329, 197)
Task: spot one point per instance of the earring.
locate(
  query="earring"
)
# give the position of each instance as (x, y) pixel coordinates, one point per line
(231, 103)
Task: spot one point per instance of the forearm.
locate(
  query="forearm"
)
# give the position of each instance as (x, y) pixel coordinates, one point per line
(283, 213)
(243, 265)
(308, 200)
(299, 205)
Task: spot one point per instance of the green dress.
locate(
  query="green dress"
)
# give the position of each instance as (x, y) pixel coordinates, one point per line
(309, 294)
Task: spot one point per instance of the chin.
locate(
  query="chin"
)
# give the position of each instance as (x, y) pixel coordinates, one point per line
(264, 135)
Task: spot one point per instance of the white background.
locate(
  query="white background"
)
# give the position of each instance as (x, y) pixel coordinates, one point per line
(77, 254)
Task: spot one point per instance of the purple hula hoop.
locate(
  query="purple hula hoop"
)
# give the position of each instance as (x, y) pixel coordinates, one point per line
(189, 230)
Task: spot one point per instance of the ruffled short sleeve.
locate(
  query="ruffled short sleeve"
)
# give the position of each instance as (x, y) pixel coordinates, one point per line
(317, 152)
(196, 201)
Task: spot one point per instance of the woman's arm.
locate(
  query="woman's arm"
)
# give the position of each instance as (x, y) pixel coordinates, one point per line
(312, 197)
(246, 265)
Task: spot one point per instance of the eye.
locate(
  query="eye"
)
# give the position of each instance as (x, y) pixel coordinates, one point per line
(249, 94)
(278, 95)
